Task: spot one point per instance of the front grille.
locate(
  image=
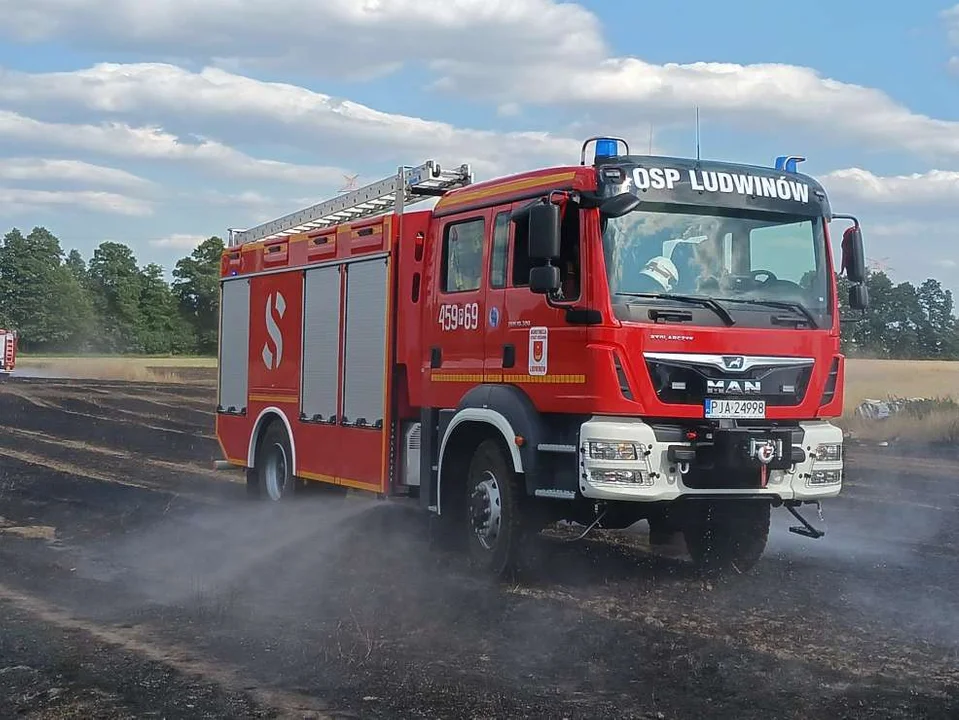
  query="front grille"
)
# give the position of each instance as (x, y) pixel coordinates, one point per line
(684, 382)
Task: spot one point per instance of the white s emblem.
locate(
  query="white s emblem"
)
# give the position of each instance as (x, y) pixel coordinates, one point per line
(277, 301)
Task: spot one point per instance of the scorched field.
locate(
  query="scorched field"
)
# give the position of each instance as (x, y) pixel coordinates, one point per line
(135, 581)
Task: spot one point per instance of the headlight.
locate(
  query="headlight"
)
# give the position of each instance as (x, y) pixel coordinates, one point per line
(612, 451)
(830, 452)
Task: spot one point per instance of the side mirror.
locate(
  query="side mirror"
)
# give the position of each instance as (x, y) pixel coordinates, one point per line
(859, 297)
(544, 280)
(544, 231)
(853, 255)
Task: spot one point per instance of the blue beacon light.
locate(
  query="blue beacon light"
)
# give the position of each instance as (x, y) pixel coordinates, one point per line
(606, 147)
(788, 162)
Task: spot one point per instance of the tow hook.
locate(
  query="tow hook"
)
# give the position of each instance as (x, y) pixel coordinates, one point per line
(806, 530)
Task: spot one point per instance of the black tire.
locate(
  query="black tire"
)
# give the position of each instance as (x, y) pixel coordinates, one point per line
(726, 535)
(271, 476)
(494, 524)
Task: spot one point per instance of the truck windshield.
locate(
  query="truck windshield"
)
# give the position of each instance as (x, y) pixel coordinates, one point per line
(753, 262)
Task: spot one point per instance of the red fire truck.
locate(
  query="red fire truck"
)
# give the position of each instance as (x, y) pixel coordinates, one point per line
(8, 351)
(638, 338)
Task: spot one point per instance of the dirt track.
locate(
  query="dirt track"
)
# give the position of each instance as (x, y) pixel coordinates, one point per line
(137, 582)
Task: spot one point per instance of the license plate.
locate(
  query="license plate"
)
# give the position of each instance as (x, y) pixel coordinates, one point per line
(735, 409)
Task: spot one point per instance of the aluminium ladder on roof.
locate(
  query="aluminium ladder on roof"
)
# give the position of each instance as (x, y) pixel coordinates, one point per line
(407, 187)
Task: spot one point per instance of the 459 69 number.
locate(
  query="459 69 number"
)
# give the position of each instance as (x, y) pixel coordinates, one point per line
(457, 317)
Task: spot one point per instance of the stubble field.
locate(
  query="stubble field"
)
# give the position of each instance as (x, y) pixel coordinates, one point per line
(138, 582)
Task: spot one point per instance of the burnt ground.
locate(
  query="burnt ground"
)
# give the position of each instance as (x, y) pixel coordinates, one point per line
(137, 582)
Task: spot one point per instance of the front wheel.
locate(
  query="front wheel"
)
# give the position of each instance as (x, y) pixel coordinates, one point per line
(493, 516)
(726, 535)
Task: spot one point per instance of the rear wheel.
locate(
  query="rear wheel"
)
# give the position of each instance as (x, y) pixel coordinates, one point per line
(271, 476)
(494, 520)
(726, 535)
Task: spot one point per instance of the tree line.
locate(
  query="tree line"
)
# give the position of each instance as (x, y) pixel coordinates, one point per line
(60, 303)
(903, 322)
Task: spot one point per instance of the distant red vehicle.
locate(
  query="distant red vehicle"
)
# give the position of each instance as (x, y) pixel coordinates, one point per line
(8, 351)
(640, 338)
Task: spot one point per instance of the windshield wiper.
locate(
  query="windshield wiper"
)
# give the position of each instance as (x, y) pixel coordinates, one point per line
(691, 299)
(784, 304)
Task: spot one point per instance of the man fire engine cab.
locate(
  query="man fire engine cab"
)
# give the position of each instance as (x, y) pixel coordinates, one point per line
(641, 338)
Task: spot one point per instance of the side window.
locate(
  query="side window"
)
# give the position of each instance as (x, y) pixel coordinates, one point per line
(569, 259)
(521, 263)
(462, 256)
(497, 272)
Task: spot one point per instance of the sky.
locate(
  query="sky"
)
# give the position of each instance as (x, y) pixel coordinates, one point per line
(160, 124)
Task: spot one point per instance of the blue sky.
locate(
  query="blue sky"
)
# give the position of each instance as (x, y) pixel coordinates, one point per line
(159, 125)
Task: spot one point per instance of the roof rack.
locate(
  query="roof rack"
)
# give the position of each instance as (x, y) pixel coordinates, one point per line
(392, 194)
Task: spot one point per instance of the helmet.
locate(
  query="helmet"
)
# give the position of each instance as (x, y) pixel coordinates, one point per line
(662, 270)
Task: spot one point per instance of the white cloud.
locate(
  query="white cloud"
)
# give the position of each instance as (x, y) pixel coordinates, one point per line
(951, 18)
(759, 97)
(334, 37)
(253, 111)
(15, 200)
(935, 187)
(547, 53)
(152, 143)
(52, 170)
(179, 241)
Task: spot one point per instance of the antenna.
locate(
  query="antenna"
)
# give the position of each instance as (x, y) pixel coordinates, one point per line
(697, 134)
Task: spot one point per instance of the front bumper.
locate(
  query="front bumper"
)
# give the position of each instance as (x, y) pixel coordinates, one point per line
(808, 467)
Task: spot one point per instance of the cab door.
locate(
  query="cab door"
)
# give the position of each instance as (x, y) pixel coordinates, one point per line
(552, 354)
(456, 316)
(501, 352)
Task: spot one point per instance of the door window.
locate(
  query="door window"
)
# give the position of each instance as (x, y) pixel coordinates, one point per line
(462, 268)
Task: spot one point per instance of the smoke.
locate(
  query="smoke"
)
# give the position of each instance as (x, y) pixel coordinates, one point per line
(349, 596)
(207, 551)
(889, 558)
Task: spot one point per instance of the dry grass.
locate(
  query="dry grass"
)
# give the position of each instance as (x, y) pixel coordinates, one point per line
(865, 379)
(879, 379)
(132, 369)
(936, 421)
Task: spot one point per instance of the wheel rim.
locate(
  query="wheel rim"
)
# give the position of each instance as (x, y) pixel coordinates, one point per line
(486, 510)
(275, 472)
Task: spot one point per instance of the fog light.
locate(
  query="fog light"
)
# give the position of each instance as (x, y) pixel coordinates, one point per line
(825, 477)
(621, 477)
(612, 451)
(829, 452)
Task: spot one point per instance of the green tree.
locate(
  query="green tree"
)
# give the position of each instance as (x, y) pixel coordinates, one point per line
(162, 329)
(41, 298)
(116, 284)
(197, 286)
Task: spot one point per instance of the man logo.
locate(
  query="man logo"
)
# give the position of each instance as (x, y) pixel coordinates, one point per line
(734, 362)
(272, 358)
